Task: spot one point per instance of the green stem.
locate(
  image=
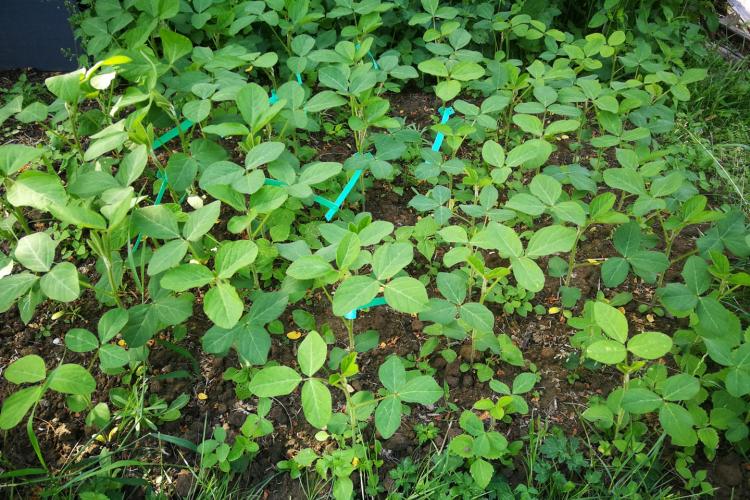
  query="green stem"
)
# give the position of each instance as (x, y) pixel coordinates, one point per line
(572, 256)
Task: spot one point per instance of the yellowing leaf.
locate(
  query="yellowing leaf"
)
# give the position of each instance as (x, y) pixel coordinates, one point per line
(593, 262)
(650, 318)
(122, 343)
(294, 335)
(553, 310)
(355, 462)
(202, 396)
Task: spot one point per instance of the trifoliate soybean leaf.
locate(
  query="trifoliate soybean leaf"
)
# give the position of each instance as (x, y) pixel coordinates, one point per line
(263, 153)
(527, 273)
(354, 292)
(318, 172)
(312, 353)
(406, 294)
(391, 258)
(26, 370)
(200, 221)
(71, 379)
(112, 356)
(187, 276)
(39, 190)
(392, 374)
(274, 381)
(526, 203)
(223, 306)
(233, 256)
(324, 100)
(680, 387)
(524, 382)
(17, 405)
(15, 156)
(608, 352)
(388, 416)
(611, 321)
(614, 271)
(493, 153)
(551, 239)
(678, 424)
(309, 267)
(80, 340)
(316, 403)
(452, 286)
(501, 238)
(625, 179)
(546, 188)
(648, 264)
(111, 323)
(167, 256)
(478, 317)
(650, 345)
(14, 286)
(639, 401)
(36, 252)
(156, 221)
(61, 283)
(422, 389)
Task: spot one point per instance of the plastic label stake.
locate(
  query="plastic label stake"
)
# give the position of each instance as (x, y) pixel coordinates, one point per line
(274, 98)
(183, 127)
(299, 78)
(447, 112)
(378, 301)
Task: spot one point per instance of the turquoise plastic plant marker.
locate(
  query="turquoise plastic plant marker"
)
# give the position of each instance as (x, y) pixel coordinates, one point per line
(299, 78)
(159, 196)
(342, 196)
(274, 98)
(372, 58)
(318, 199)
(377, 301)
(183, 127)
(447, 112)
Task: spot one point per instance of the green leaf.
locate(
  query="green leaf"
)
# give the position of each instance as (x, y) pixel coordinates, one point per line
(611, 321)
(391, 258)
(524, 382)
(26, 370)
(312, 353)
(234, 256)
(112, 357)
(187, 276)
(156, 221)
(493, 153)
(104, 144)
(13, 286)
(466, 71)
(388, 416)
(527, 274)
(530, 154)
(546, 188)
(15, 156)
(478, 317)
(111, 323)
(309, 267)
(67, 87)
(17, 405)
(81, 340)
(324, 100)
(252, 102)
(405, 294)
(650, 345)
(648, 264)
(433, 67)
(316, 403)
(318, 172)
(36, 252)
(614, 271)
(680, 387)
(529, 124)
(422, 389)
(200, 221)
(447, 90)
(392, 374)
(167, 256)
(525, 203)
(501, 238)
(274, 381)
(174, 45)
(347, 250)
(551, 239)
(625, 179)
(70, 378)
(452, 286)
(608, 352)
(36, 189)
(223, 306)
(61, 283)
(639, 401)
(482, 472)
(263, 154)
(678, 424)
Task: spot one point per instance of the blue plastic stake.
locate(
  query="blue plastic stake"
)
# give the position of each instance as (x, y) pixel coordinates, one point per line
(183, 127)
(378, 301)
(447, 112)
(342, 196)
(299, 78)
(273, 98)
